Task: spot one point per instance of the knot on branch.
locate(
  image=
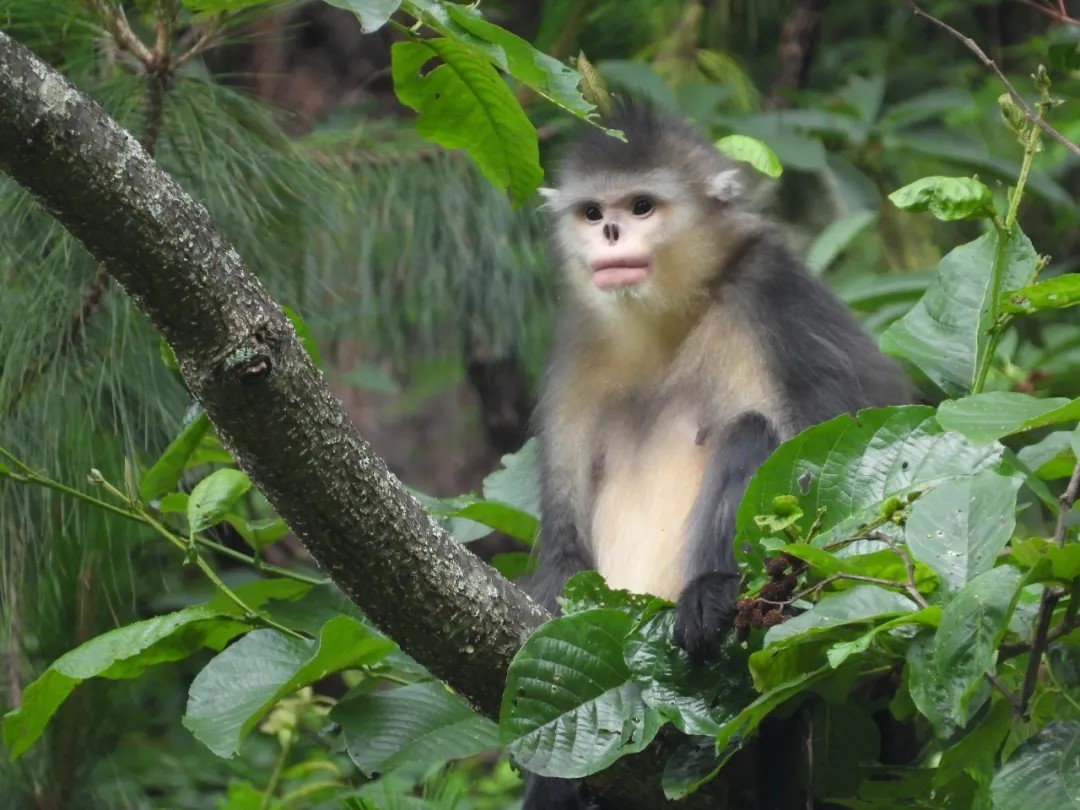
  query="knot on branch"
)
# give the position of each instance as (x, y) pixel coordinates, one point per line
(249, 366)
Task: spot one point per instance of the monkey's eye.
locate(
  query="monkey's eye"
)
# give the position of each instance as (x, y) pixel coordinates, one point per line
(592, 212)
(642, 206)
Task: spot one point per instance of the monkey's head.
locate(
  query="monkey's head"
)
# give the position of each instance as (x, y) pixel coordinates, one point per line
(641, 222)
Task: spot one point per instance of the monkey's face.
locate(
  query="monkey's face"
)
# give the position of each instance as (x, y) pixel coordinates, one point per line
(617, 235)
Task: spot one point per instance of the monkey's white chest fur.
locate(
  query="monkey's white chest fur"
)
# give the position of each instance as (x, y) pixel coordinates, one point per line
(647, 488)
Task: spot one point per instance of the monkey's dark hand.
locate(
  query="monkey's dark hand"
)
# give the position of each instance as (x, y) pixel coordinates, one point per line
(705, 612)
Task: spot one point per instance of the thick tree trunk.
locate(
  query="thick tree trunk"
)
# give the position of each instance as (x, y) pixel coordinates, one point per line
(242, 361)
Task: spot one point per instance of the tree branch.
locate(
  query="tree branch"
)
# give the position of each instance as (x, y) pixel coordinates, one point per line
(973, 46)
(798, 42)
(242, 361)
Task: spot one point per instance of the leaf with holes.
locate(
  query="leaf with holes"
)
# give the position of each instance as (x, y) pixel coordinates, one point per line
(1059, 292)
(960, 527)
(570, 706)
(463, 103)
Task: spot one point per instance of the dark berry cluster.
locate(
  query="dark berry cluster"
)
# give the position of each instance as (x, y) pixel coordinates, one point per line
(770, 607)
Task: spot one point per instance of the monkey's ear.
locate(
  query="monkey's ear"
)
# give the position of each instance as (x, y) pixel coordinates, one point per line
(725, 185)
(550, 195)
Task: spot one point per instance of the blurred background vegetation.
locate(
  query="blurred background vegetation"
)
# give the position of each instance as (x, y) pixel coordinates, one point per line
(429, 297)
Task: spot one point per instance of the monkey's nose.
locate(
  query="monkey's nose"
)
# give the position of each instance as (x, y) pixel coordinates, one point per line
(611, 232)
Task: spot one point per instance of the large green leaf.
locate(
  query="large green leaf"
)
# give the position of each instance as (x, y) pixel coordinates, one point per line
(1054, 293)
(128, 651)
(464, 104)
(945, 669)
(570, 706)
(877, 454)
(960, 527)
(861, 605)
(421, 723)
(466, 25)
(697, 698)
(985, 417)
(163, 476)
(517, 481)
(947, 331)
(1043, 772)
(241, 684)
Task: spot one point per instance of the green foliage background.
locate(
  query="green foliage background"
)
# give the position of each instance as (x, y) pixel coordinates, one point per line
(376, 236)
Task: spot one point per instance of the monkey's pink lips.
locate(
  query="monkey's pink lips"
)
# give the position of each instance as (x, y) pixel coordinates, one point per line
(620, 271)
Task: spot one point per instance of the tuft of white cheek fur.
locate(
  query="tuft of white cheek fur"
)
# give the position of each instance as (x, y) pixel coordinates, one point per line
(725, 186)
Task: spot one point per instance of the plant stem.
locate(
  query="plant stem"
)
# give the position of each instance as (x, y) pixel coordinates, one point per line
(275, 777)
(1041, 636)
(1004, 239)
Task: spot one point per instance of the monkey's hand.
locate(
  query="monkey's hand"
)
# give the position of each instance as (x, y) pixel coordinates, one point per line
(705, 612)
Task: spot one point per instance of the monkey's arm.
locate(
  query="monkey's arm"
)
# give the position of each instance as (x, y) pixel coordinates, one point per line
(706, 607)
(561, 553)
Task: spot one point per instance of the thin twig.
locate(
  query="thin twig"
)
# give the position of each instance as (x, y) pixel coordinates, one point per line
(1041, 637)
(972, 46)
(1001, 687)
(204, 40)
(1060, 14)
(909, 566)
(117, 25)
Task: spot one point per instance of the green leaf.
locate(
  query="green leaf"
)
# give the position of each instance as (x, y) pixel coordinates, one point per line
(990, 416)
(545, 75)
(839, 653)
(1054, 293)
(230, 695)
(214, 496)
(697, 698)
(866, 603)
(693, 763)
(1052, 457)
(960, 527)
(372, 14)
(586, 590)
(517, 482)
(258, 533)
(463, 103)
(948, 667)
(880, 453)
(128, 651)
(836, 238)
(514, 564)
(843, 737)
(947, 330)
(423, 723)
(751, 150)
(947, 198)
(570, 707)
(307, 338)
(1043, 772)
(501, 518)
(164, 475)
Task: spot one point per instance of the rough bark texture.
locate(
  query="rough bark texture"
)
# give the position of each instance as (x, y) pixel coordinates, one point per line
(242, 361)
